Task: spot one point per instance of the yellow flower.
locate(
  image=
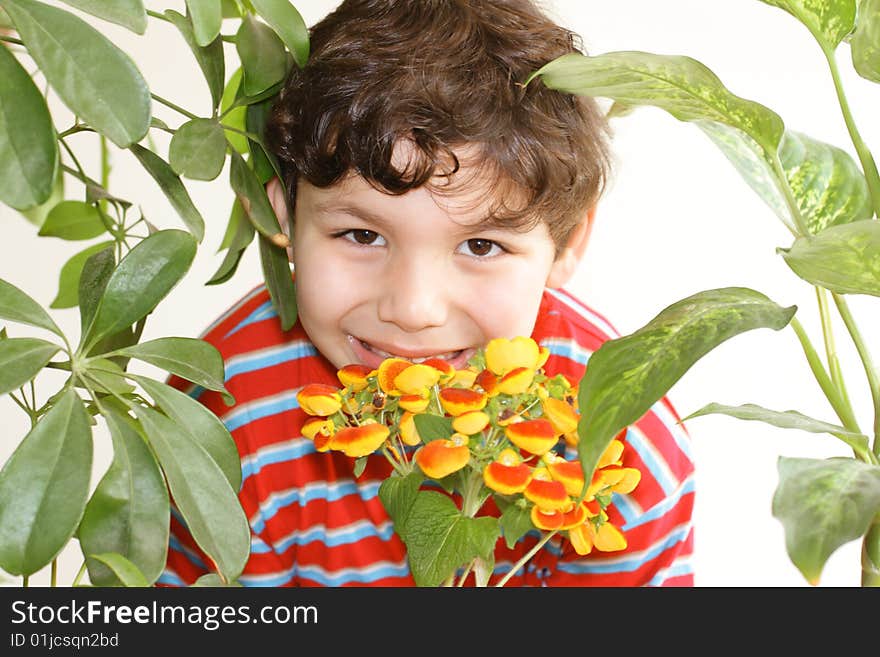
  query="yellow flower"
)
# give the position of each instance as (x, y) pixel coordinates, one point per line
(408, 432)
(440, 458)
(470, 422)
(416, 379)
(507, 474)
(354, 376)
(561, 415)
(545, 493)
(415, 403)
(515, 382)
(359, 441)
(457, 401)
(503, 355)
(319, 399)
(533, 436)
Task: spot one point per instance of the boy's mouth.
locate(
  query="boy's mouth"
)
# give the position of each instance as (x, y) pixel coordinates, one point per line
(372, 356)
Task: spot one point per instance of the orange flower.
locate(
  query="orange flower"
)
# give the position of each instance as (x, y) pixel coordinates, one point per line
(416, 379)
(516, 381)
(547, 520)
(470, 422)
(546, 493)
(605, 538)
(359, 441)
(408, 432)
(317, 425)
(488, 382)
(388, 371)
(440, 458)
(618, 480)
(561, 415)
(569, 473)
(456, 401)
(462, 378)
(447, 371)
(319, 399)
(611, 455)
(534, 436)
(415, 403)
(503, 355)
(507, 474)
(354, 377)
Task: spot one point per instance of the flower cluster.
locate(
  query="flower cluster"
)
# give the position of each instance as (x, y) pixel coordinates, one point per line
(497, 422)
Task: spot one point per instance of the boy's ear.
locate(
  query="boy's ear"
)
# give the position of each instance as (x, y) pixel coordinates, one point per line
(567, 261)
(278, 200)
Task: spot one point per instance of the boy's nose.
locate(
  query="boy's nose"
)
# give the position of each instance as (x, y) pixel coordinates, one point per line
(415, 296)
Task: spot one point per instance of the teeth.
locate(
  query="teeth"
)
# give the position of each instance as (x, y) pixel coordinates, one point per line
(447, 356)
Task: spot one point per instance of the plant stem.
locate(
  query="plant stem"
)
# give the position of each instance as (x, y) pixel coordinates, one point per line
(864, 354)
(868, 165)
(53, 578)
(156, 14)
(830, 347)
(79, 574)
(176, 108)
(800, 229)
(10, 39)
(831, 393)
(519, 564)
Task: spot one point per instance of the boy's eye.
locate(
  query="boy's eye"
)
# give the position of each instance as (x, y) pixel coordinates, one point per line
(365, 237)
(480, 248)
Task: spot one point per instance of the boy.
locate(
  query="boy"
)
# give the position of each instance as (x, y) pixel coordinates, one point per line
(435, 203)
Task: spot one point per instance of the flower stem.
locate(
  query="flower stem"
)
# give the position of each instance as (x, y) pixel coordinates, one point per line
(868, 165)
(176, 108)
(522, 562)
(830, 348)
(79, 574)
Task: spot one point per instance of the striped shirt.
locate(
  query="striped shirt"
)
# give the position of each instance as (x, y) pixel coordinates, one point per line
(314, 523)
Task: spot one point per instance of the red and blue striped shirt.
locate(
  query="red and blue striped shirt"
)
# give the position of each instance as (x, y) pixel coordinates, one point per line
(314, 523)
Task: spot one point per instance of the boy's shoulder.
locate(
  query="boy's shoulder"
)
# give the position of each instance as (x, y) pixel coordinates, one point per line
(562, 315)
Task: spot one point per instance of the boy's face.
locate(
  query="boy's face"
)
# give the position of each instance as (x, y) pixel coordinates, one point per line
(413, 276)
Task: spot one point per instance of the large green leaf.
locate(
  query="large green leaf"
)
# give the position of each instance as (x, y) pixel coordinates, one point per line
(193, 359)
(128, 13)
(239, 235)
(262, 55)
(865, 42)
(823, 504)
(279, 280)
(784, 420)
(288, 24)
(126, 572)
(17, 306)
(233, 114)
(440, 539)
(198, 149)
(829, 21)
(173, 188)
(201, 492)
(129, 511)
(682, 86)
(826, 182)
(28, 148)
(71, 273)
(210, 58)
(95, 79)
(96, 271)
(627, 375)
(200, 423)
(398, 494)
(38, 213)
(252, 196)
(21, 359)
(207, 19)
(844, 259)
(140, 281)
(44, 487)
(73, 220)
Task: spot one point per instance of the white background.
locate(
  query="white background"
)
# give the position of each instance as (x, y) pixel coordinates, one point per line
(676, 220)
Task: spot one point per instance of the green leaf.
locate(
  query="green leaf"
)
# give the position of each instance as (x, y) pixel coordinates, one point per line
(829, 21)
(252, 196)
(70, 274)
(191, 358)
(865, 42)
(129, 511)
(198, 150)
(784, 420)
(287, 22)
(210, 58)
(440, 539)
(73, 220)
(38, 213)
(105, 376)
(140, 281)
(128, 13)
(231, 9)
(398, 494)
(844, 259)
(207, 19)
(628, 375)
(93, 279)
(200, 423)
(17, 306)
(239, 235)
(682, 86)
(823, 504)
(28, 148)
(264, 164)
(21, 359)
(44, 487)
(95, 79)
(126, 572)
(234, 115)
(826, 182)
(515, 521)
(213, 580)
(262, 55)
(433, 427)
(279, 280)
(209, 505)
(173, 188)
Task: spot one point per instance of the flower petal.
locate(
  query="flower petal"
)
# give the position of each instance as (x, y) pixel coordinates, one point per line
(507, 479)
(408, 432)
(354, 376)
(359, 441)
(456, 401)
(561, 415)
(581, 538)
(440, 458)
(447, 371)
(569, 473)
(388, 370)
(315, 425)
(609, 538)
(533, 436)
(547, 520)
(546, 493)
(470, 422)
(319, 399)
(414, 403)
(503, 355)
(416, 379)
(516, 381)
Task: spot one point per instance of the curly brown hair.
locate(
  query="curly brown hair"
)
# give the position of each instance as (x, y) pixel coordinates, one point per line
(444, 76)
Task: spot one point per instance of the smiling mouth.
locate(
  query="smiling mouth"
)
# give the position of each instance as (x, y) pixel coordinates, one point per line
(414, 357)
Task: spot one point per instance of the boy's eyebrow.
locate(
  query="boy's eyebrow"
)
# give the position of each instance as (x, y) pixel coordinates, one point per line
(353, 210)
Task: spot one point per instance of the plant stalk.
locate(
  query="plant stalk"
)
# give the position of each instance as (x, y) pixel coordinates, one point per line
(830, 347)
(525, 559)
